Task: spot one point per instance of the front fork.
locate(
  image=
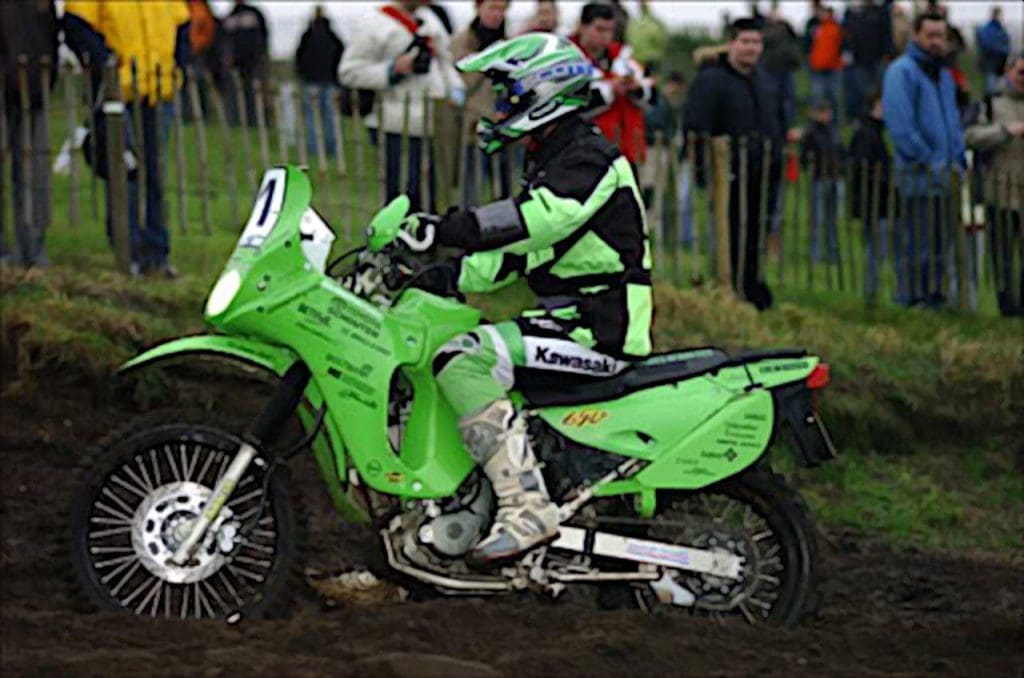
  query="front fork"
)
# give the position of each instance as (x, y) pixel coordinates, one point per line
(261, 432)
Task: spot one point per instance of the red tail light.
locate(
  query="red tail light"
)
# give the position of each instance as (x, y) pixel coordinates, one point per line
(819, 377)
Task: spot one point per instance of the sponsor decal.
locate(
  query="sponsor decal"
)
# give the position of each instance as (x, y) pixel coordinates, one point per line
(549, 356)
(728, 455)
(662, 553)
(784, 367)
(316, 316)
(581, 418)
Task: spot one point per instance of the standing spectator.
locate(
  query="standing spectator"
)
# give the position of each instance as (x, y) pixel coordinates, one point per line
(901, 28)
(666, 116)
(544, 19)
(487, 28)
(647, 35)
(869, 39)
(246, 44)
(812, 22)
(104, 28)
(438, 10)
(203, 44)
(621, 17)
(999, 138)
(825, 59)
(993, 49)
(821, 149)
(28, 29)
(869, 192)
(316, 63)
(919, 103)
(396, 52)
(732, 97)
(781, 60)
(620, 87)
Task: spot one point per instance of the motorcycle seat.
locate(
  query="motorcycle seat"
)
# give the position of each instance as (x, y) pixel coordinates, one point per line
(541, 388)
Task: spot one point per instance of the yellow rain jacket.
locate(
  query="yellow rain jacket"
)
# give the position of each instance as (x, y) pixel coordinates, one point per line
(143, 30)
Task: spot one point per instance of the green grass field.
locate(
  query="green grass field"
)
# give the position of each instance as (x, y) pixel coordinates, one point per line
(924, 406)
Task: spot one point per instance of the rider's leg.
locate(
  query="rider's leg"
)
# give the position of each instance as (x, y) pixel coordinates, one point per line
(475, 372)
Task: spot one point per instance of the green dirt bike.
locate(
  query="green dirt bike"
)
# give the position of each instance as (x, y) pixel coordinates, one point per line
(659, 472)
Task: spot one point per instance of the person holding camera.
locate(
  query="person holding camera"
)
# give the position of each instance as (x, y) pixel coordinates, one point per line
(620, 89)
(400, 52)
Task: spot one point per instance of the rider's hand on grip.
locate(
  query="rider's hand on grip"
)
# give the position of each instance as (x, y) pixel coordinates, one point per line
(418, 231)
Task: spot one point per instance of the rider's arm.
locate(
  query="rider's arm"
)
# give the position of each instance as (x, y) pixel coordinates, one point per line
(536, 219)
(488, 271)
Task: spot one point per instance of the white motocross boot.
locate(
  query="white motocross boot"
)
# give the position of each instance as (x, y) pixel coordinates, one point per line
(527, 518)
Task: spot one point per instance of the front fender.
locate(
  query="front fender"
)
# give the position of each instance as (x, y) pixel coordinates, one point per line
(327, 447)
(273, 359)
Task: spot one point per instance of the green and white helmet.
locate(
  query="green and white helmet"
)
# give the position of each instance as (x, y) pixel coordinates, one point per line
(538, 78)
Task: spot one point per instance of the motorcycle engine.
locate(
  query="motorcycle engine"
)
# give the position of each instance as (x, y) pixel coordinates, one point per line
(462, 521)
(567, 464)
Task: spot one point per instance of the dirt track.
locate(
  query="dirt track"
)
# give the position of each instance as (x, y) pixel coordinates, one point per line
(883, 612)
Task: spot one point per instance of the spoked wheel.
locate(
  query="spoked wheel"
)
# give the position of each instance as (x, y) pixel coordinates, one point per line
(140, 502)
(758, 518)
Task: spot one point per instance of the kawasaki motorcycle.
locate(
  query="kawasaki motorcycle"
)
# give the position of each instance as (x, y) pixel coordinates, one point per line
(665, 496)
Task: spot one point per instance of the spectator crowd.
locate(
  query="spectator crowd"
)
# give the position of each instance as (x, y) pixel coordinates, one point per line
(886, 88)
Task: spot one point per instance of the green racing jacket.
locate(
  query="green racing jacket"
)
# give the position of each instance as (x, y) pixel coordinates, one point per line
(577, 233)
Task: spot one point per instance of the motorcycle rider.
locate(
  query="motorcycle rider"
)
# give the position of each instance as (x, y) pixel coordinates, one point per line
(577, 233)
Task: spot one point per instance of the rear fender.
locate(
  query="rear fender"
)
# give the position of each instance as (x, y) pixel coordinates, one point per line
(726, 443)
(252, 355)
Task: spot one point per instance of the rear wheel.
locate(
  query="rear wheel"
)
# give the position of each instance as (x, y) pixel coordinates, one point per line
(759, 518)
(141, 495)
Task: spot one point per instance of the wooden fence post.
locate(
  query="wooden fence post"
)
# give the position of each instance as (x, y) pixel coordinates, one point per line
(720, 166)
(117, 173)
(71, 103)
(199, 121)
(140, 150)
(179, 156)
(225, 135)
(26, 142)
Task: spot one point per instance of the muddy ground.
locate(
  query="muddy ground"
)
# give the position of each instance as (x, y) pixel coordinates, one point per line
(883, 612)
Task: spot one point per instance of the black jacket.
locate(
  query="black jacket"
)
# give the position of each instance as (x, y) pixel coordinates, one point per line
(781, 48)
(867, 147)
(869, 34)
(723, 101)
(245, 38)
(27, 27)
(319, 53)
(822, 149)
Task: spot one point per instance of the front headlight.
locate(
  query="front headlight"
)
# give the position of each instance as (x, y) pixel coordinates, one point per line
(223, 292)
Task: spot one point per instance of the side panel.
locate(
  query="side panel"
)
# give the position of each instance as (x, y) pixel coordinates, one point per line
(645, 424)
(732, 439)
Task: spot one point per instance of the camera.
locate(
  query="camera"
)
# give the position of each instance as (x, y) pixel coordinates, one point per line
(421, 64)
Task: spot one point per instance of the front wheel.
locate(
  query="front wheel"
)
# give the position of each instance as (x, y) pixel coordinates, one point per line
(146, 487)
(758, 517)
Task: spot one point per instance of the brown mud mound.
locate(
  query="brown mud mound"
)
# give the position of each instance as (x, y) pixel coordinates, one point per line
(883, 612)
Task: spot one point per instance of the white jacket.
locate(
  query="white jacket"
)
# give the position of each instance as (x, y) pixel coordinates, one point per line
(377, 40)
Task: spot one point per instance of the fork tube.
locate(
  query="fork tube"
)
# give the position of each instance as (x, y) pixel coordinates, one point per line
(262, 431)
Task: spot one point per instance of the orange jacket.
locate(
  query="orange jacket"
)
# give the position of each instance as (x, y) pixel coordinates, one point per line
(203, 28)
(827, 47)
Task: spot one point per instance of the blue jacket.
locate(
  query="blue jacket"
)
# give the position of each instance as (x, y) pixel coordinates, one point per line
(923, 121)
(993, 47)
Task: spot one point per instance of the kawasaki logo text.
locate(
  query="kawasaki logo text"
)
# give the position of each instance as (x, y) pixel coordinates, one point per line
(550, 357)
